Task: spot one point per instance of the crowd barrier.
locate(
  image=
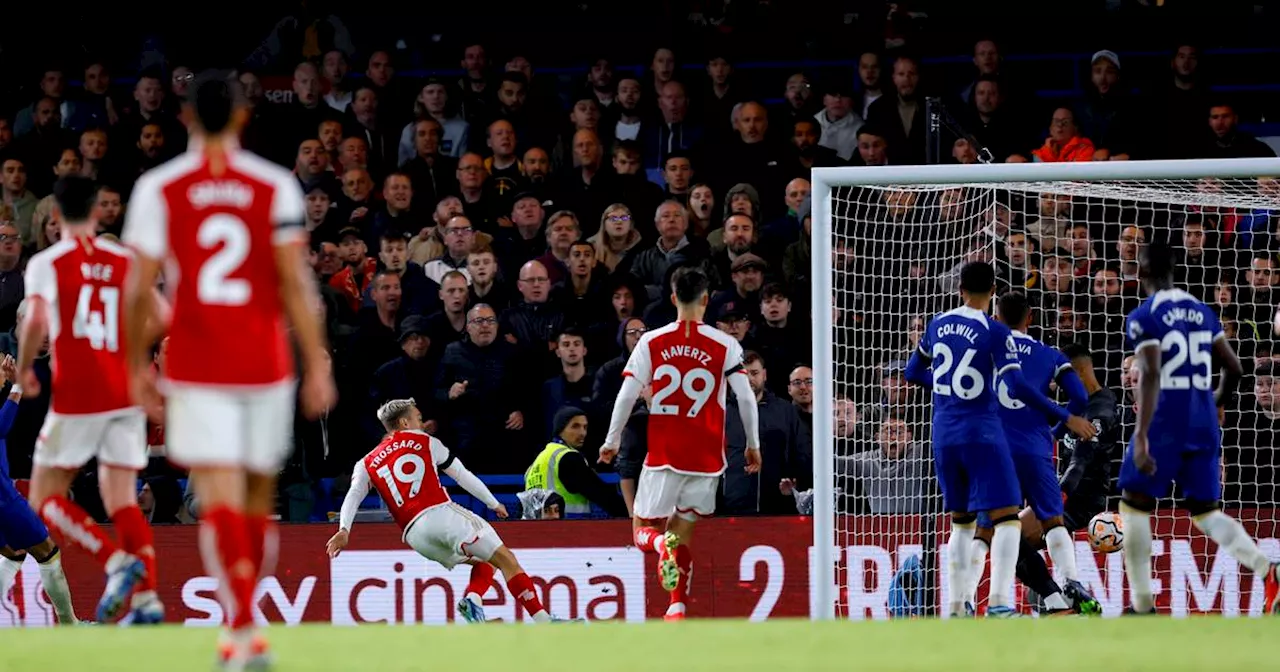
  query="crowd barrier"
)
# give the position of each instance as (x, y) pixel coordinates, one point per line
(754, 568)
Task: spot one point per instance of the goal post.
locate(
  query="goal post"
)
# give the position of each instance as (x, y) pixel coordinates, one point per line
(886, 242)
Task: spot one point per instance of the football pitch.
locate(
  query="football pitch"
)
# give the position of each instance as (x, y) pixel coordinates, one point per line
(1167, 645)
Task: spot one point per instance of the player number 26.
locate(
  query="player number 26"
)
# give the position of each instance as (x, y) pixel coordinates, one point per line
(408, 469)
(696, 384)
(966, 382)
(228, 237)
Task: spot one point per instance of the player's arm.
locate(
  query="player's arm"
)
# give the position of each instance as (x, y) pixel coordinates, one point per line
(31, 334)
(747, 409)
(1077, 396)
(918, 364)
(473, 485)
(1226, 360)
(9, 410)
(350, 505)
(635, 377)
(146, 232)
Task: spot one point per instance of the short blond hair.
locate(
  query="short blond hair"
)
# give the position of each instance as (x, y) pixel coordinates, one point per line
(390, 413)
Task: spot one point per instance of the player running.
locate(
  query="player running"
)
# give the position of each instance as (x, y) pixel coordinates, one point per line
(22, 533)
(696, 365)
(404, 469)
(73, 299)
(229, 223)
(1176, 340)
(1031, 444)
(966, 351)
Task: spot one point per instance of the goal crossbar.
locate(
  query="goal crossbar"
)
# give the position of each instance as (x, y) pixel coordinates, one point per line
(1030, 176)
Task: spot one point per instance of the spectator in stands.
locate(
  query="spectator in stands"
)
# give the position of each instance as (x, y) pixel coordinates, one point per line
(838, 121)
(798, 103)
(783, 339)
(1259, 297)
(588, 188)
(572, 386)
(525, 239)
(563, 229)
(630, 185)
(870, 85)
(1226, 141)
(449, 324)
(616, 240)
(395, 214)
(42, 215)
(986, 62)
(533, 322)
(786, 450)
(721, 95)
(873, 147)
(301, 117)
(785, 230)
(411, 375)
(895, 478)
(1086, 261)
(800, 390)
(623, 120)
(459, 239)
(1106, 115)
(796, 261)
(22, 203)
(377, 338)
(53, 84)
(1065, 143)
(43, 145)
(1174, 109)
(674, 132)
(899, 114)
(1000, 130)
(486, 286)
(431, 171)
(434, 102)
(1201, 258)
(561, 468)
(738, 236)
(479, 388)
(334, 69)
(417, 294)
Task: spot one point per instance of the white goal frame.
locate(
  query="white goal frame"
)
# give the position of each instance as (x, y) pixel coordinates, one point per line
(823, 589)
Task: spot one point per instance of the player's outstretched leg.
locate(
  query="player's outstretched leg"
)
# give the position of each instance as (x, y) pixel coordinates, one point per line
(10, 564)
(49, 558)
(1004, 562)
(78, 528)
(520, 585)
(977, 567)
(1135, 515)
(675, 564)
(471, 606)
(1062, 550)
(959, 546)
(119, 495)
(649, 538)
(1228, 533)
(1034, 574)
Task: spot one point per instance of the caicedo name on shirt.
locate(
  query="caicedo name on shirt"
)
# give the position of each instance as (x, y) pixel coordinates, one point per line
(962, 330)
(1179, 314)
(686, 351)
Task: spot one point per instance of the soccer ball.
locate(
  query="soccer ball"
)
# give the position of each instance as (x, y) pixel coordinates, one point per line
(1106, 534)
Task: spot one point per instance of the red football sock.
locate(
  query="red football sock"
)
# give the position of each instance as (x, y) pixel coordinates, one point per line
(684, 560)
(481, 579)
(264, 544)
(135, 537)
(77, 527)
(645, 537)
(521, 587)
(224, 544)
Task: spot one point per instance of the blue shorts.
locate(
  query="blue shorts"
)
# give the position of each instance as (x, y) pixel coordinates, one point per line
(20, 527)
(1195, 466)
(1039, 484)
(976, 477)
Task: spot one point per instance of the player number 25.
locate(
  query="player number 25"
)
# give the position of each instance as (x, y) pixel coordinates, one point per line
(1180, 347)
(697, 385)
(967, 382)
(100, 327)
(230, 235)
(397, 473)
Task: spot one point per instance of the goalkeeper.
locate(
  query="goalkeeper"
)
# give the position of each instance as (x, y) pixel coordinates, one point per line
(1085, 482)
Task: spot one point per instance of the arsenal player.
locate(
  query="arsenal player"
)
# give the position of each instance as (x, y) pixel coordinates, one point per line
(404, 469)
(687, 367)
(73, 298)
(230, 226)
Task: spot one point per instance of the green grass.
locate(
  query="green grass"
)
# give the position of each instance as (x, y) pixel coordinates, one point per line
(1043, 645)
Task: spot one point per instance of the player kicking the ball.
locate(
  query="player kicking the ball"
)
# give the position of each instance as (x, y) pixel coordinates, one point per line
(404, 469)
(689, 366)
(1176, 340)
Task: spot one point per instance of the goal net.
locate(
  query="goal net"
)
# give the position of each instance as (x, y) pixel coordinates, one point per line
(889, 244)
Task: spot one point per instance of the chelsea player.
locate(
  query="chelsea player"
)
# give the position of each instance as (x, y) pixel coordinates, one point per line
(961, 354)
(1176, 340)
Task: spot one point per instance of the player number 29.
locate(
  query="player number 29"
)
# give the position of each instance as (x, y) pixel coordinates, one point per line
(230, 236)
(1180, 347)
(400, 472)
(100, 327)
(966, 382)
(697, 385)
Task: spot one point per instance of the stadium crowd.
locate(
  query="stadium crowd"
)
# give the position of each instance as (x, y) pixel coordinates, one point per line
(493, 245)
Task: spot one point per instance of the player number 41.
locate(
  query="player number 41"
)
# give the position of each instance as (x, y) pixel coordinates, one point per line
(100, 327)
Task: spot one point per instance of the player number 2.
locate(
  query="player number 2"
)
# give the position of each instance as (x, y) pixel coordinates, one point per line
(230, 235)
(399, 472)
(967, 382)
(100, 327)
(1181, 347)
(697, 385)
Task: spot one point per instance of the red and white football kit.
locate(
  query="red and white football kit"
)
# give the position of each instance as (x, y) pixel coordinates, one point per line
(90, 414)
(229, 372)
(404, 469)
(689, 366)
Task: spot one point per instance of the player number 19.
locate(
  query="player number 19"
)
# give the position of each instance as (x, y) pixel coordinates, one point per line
(100, 327)
(396, 473)
(967, 382)
(697, 385)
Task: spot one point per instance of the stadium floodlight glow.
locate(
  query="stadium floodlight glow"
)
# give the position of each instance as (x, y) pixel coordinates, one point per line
(901, 231)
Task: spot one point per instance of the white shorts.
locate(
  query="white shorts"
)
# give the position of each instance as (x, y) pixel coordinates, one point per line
(451, 535)
(226, 427)
(661, 493)
(117, 439)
